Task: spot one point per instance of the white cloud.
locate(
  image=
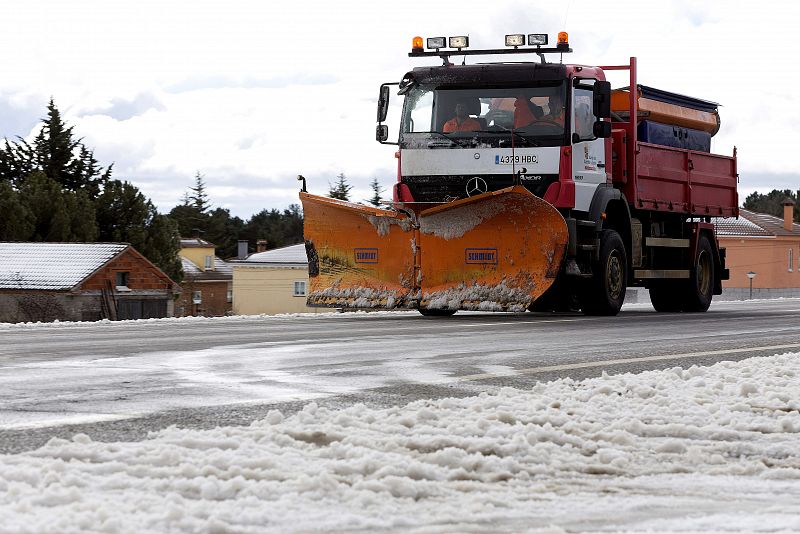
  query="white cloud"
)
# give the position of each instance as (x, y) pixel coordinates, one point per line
(245, 89)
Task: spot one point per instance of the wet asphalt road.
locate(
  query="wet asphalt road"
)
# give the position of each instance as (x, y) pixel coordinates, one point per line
(120, 381)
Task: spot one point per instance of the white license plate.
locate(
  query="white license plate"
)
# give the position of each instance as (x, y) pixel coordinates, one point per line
(516, 159)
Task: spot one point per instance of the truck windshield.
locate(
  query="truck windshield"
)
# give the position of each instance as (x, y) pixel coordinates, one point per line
(533, 114)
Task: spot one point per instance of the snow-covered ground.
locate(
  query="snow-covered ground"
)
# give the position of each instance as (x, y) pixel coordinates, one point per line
(699, 449)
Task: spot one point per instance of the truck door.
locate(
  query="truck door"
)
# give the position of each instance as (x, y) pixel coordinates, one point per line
(588, 153)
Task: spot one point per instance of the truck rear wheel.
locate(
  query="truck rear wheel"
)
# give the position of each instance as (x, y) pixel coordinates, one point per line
(700, 287)
(666, 297)
(605, 292)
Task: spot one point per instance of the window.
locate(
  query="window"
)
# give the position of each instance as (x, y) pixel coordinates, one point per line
(584, 118)
(197, 297)
(230, 295)
(209, 262)
(300, 288)
(791, 259)
(122, 279)
(492, 115)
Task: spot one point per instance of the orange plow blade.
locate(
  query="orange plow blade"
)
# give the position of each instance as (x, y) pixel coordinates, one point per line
(359, 256)
(498, 251)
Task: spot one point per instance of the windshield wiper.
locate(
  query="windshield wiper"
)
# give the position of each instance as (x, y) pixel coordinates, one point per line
(454, 141)
(517, 137)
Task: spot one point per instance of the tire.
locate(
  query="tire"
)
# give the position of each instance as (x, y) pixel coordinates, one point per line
(605, 292)
(436, 313)
(666, 297)
(700, 286)
(559, 298)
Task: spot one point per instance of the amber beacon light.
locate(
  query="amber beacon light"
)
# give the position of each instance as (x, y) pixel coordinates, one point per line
(416, 44)
(563, 38)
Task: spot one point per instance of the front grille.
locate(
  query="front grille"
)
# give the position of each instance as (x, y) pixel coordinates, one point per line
(449, 188)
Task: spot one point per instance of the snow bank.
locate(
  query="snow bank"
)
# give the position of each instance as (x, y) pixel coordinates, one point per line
(705, 448)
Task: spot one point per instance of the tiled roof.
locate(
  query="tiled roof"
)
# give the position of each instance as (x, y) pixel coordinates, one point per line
(290, 254)
(753, 224)
(222, 270)
(54, 266)
(195, 242)
(771, 223)
(730, 227)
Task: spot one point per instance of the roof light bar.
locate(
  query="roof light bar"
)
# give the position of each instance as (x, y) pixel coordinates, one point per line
(461, 41)
(515, 40)
(435, 43)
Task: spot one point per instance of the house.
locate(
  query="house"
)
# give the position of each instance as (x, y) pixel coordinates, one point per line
(80, 282)
(763, 250)
(207, 287)
(272, 282)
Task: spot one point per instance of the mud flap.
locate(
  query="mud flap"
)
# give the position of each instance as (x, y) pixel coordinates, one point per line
(359, 256)
(498, 251)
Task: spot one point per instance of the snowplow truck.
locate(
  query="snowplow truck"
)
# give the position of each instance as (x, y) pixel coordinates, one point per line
(530, 186)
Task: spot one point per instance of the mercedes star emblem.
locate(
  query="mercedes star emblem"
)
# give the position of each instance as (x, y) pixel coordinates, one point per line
(476, 186)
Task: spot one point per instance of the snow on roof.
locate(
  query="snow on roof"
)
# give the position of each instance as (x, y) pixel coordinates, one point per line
(738, 227)
(222, 270)
(290, 254)
(195, 242)
(54, 266)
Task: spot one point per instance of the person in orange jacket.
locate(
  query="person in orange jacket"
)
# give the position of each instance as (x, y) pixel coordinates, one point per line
(462, 122)
(555, 113)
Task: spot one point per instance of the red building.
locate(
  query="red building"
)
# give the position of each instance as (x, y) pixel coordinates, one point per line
(81, 282)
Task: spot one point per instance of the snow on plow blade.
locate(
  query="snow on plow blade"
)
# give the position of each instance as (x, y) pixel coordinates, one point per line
(358, 256)
(497, 251)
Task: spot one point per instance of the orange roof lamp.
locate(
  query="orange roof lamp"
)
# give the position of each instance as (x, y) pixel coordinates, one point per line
(563, 41)
(416, 44)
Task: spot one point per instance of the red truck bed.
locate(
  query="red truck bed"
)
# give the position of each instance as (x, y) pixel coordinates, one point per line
(660, 178)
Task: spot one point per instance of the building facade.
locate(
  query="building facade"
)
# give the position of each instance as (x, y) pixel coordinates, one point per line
(44, 282)
(762, 250)
(207, 287)
(272, 282)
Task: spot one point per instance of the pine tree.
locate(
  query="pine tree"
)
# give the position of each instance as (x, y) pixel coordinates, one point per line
(223, 231)
(341, 189)
(162, 244)
(122, 213)
(199, 199)
(16, 220)
(377, 191)
(772, 202)
(42, 196)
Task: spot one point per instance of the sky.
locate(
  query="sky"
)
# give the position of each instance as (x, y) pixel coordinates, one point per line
(683, 449)
(251, 93)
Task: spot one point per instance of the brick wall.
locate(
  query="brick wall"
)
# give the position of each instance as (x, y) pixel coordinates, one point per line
(142, 274)
(214, 295)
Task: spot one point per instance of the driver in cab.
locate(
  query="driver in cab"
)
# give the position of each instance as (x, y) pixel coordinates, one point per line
(527, 113)
(462, 122)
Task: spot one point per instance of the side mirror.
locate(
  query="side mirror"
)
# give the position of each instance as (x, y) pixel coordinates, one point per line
(602, 100)
(381, 133)
(601, 129)
(383, 103)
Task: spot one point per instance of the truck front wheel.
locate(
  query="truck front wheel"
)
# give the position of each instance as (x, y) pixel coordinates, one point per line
(605, 292)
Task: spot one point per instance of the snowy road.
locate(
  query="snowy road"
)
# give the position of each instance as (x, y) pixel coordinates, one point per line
(119, 381)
